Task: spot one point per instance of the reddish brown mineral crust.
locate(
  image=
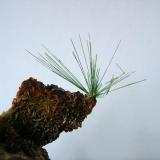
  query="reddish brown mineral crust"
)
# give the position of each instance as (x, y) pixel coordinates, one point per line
(40, 113)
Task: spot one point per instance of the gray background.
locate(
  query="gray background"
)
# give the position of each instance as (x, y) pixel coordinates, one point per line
(125, 124)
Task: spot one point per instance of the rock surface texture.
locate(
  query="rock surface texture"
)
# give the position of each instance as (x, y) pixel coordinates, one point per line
(37, 116)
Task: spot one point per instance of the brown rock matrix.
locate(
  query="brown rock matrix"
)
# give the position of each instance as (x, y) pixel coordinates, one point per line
(38, 115)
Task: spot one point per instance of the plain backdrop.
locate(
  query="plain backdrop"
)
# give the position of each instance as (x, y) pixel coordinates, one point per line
(124, 125)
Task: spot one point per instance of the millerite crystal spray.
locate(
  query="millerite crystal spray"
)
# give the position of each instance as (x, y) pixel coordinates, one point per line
(68, 110)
